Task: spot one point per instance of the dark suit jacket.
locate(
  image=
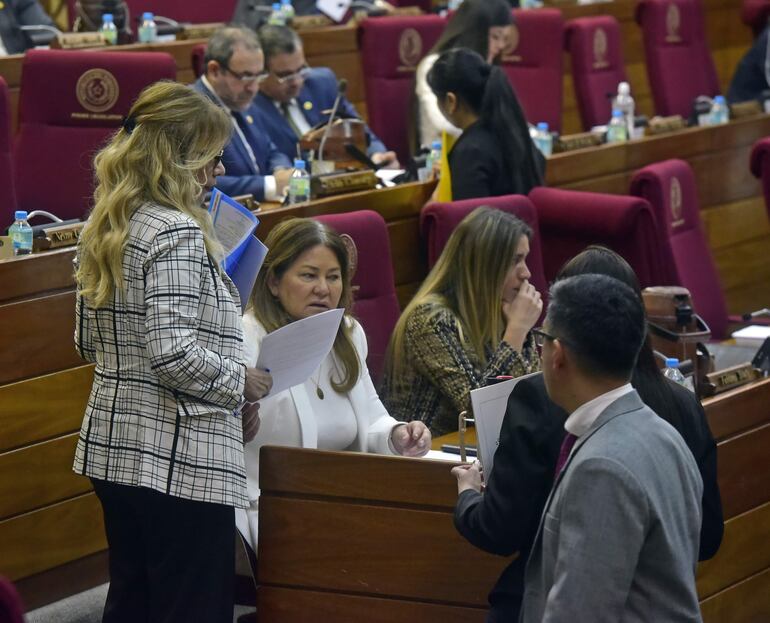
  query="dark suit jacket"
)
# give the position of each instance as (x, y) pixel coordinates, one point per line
(750, 79)
(505, 518)
(15, 13)
(317, 94)
(241, 177)
(476, 163)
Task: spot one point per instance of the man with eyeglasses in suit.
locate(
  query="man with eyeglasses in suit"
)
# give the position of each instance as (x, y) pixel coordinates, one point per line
(235, 69)
(295, 98)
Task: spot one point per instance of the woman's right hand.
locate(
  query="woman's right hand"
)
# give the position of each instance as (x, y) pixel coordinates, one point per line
(521, 314)
(258, 384)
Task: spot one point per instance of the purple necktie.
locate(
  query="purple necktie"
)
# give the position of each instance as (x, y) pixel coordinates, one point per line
(566, 448)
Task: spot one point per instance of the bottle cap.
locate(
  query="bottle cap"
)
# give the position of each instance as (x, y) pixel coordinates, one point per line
(436, 145)
(624, 88)
(20, 215)
(672, 362)
(299, 164)
(148, 16)
(107, 17)
(617, 112)
(719, 99)
(542, 125)
(285, 1)
(276, 6)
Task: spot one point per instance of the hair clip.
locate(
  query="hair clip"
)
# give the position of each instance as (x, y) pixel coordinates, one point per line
(129, 123)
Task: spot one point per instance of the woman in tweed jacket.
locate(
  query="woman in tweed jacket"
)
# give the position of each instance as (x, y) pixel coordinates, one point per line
(469, 321)
(162, 437)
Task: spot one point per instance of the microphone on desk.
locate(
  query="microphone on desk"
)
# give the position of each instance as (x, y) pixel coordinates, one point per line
(756, 314)
(49, 33)
(342, 86)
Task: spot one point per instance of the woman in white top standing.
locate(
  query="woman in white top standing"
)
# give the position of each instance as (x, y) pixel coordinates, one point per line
(480, 25)
(306, 272)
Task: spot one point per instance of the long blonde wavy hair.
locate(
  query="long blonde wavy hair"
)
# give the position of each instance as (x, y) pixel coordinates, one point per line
(467, 280)
(170, 135)
(286, 242)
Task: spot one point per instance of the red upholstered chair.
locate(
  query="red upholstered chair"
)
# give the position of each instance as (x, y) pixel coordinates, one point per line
(534, 64)
(70, 104)
(670, 188)
(376, 305)
(11, 608)
(679, 63)
(438, 220)
(198, 63)
(390, 51)
(7, 189)
(760, 167)
(754, 14)
(597, 65)
(184, 10)
(570, 220)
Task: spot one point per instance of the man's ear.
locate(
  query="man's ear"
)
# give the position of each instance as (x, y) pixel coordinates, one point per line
(213, 68)
(559, 357)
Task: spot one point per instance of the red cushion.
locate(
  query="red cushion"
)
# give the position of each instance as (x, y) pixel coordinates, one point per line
(7, 189)
(760, 167)
(679, 63)
(11, 608)
(376, 303)
(670, 188)
(390, 51)
(754, 14)
(58, 136)
(571, 220)
(534, 64)
(597, 65)
(198, 63)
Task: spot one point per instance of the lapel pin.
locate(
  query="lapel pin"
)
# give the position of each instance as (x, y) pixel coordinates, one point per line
(249, 118)
(308, 105)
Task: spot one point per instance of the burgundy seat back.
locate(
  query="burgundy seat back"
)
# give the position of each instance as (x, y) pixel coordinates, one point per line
(7, 189)
(376, 304)
(670, 188)
(571, 220)
(760, 167)
(438, 221)
(597, 65)
(390, 51)
(198, 62)
(425, 5)
(679, 63)
(754, 14)
(11, 608)
(71, 102)
(184, 10)
(533, 63)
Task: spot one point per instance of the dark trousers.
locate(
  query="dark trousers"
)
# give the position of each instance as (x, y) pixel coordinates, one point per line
(171, 560)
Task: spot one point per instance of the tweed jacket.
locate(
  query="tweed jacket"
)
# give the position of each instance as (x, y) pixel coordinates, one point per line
(618, 539)
(440, 372)
(164, 408)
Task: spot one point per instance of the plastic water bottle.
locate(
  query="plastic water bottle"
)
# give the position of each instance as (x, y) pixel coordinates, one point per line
(21, 234)
(299, 183)
(625, 104)
(287, 8)
(543, 139)
(720, 113)
(434, 156)
(276, 16)
(148, 29)
(108, 29)
(616, 130)
(671, 371)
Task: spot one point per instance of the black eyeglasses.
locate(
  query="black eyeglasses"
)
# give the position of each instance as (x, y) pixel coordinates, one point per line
(541, 336)
(294, 76)
(245, 76)
(218, 158)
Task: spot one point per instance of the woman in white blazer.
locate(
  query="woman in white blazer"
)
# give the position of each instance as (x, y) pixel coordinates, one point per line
(307, 271)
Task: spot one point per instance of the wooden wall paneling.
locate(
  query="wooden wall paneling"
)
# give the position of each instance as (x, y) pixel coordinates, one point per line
(744, 471)
(38, 337)
(35, 274)
(738, 410)
(49, 537)
(735, 222)
(746, 602)
(39, 475)
(44, 407)
(742, 554)
(745, 274)
(285, 605)
(407, 251)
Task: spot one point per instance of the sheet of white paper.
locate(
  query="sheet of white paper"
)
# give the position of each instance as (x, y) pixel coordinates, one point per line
(387, 175)
(335, 9)
(293, 352)
(437, 455)
(489, 405)
(753, 335)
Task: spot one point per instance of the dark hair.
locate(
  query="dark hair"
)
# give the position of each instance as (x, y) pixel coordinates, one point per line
(469, 26)
(600, 320)
(277, 40)
(647, 378)
(486, 90)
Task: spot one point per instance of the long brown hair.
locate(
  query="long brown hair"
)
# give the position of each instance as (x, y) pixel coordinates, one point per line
(286, 242)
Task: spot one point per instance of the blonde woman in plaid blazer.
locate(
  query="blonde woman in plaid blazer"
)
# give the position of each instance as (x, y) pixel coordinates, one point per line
(163, 433)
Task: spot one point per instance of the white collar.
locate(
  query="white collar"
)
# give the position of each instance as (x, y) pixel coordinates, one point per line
(582, 418)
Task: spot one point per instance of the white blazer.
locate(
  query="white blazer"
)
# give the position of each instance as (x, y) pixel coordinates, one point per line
(288, 419)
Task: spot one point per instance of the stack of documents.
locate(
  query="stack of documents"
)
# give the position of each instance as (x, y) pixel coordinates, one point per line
(753, 335)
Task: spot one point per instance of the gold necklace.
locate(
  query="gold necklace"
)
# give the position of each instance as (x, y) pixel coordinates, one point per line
(318, 391)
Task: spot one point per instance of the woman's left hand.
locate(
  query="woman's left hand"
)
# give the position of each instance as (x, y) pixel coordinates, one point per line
(250, 420)
(411, 439)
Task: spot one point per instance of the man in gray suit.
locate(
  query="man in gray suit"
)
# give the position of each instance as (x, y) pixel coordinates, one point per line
(618, 539)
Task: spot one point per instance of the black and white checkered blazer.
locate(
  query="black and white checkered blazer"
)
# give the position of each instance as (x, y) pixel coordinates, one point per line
(164, 408)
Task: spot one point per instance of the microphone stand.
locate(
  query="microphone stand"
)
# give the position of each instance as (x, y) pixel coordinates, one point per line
(341, 88)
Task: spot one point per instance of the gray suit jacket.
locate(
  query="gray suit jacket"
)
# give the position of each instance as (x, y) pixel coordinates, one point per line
(618, 540)
(15, 13)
